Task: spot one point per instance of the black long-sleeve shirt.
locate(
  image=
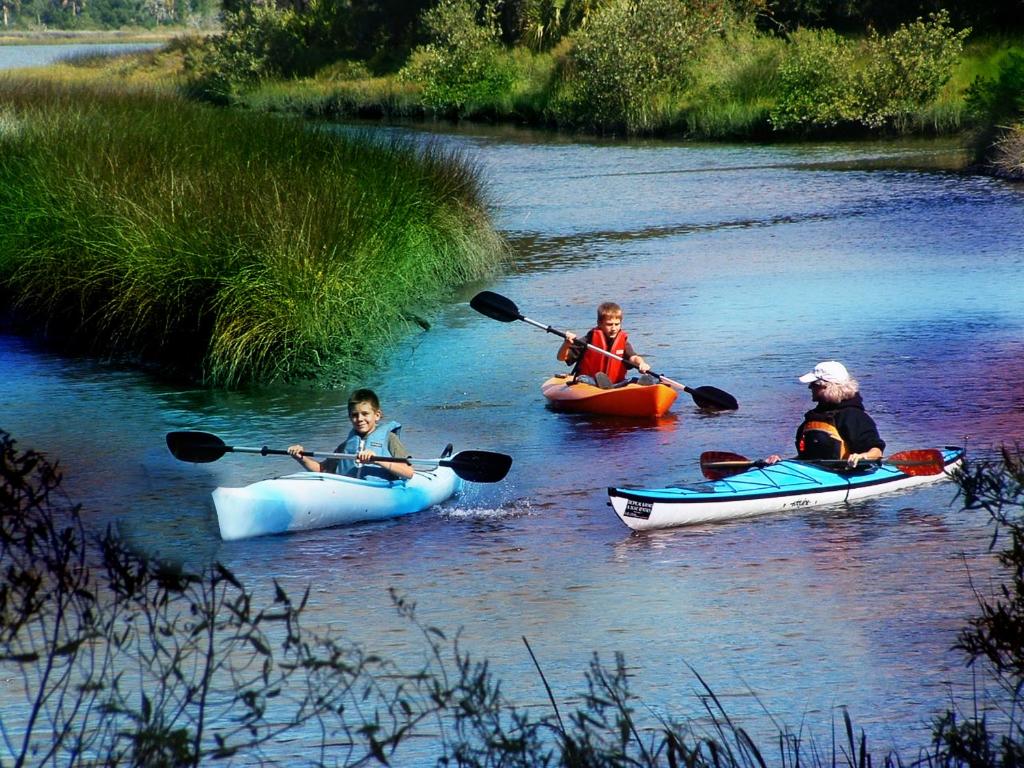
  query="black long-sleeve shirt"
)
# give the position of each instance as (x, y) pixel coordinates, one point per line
(856, 427)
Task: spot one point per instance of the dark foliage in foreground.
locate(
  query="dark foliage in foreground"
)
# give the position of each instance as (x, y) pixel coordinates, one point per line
(123, 660)
(996, 635)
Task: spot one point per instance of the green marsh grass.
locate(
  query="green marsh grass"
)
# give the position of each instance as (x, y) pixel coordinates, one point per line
(733, 85)
(226, 247)
(327, 96)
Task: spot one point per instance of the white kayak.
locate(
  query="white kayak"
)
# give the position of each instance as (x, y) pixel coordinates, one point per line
(787, 485)
(308, 500)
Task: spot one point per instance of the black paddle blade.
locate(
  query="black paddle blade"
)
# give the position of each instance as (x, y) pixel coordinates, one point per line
(713, 398)
(495, 306)
(479, 466)
(197, 447)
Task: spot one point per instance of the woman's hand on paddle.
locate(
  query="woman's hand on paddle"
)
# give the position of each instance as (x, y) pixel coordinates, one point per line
(296, 451)
(855, 458)
(773, 459)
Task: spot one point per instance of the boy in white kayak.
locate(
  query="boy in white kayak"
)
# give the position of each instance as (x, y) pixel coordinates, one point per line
(368, 438)
(592, 367)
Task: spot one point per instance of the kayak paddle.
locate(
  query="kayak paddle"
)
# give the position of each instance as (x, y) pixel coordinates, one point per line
(474, 466)
(498, 307)
(922, 461)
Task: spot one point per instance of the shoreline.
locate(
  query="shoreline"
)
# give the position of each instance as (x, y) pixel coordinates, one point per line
(94, 36)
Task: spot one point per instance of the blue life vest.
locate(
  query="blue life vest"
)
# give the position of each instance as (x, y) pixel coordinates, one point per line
(375, 442)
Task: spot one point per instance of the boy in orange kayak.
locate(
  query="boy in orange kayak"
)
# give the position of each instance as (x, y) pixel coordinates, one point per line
(368, 438)
(592, 367)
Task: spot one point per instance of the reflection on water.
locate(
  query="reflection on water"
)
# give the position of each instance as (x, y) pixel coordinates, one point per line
(737, 267)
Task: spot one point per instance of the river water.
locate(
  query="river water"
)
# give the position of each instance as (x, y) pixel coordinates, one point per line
(34, 55)
(738, 267)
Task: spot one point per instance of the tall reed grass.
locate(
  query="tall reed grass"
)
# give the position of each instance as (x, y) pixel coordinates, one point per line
(227, 247)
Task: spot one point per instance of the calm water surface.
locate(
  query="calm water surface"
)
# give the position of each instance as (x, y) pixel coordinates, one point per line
(19, 56)
(738, 267)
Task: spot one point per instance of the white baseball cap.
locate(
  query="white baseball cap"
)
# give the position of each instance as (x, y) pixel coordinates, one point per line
(830, 371)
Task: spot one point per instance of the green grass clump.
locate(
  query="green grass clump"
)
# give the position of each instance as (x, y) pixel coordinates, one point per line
(229, 247)
(330, 97)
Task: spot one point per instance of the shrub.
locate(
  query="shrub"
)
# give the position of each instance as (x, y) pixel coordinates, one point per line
(907, 69)
(465, 64)
(1008, 153)
(257, 42)
(633, 55)
(827, 80)
(123, 659)
(815, 81)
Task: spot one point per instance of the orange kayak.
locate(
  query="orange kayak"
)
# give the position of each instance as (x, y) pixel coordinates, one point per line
(631, 400)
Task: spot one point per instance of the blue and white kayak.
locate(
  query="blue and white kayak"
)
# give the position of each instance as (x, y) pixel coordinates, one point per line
(308, 500)
(760, 490)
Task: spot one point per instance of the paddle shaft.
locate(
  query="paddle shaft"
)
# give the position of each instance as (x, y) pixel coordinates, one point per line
(265, 451)
(931, 460)
(829, 462)
(473, 465)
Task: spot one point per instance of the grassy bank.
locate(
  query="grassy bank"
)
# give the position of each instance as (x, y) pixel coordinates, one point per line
(658, 70)
(226, 247)
(733, 89)
(722, 79)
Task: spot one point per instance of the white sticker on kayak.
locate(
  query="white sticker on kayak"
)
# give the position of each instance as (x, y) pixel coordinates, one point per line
(641, 509)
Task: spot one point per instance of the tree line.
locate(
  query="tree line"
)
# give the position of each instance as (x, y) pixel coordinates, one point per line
(369, 27)
(102, 14)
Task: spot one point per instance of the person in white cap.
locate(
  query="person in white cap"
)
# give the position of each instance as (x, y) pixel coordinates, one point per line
(837, 427)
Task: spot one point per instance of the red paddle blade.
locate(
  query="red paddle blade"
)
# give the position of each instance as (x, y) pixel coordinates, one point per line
(922, 461)
(718, 464)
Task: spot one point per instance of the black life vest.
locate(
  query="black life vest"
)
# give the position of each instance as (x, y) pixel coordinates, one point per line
(819, 439)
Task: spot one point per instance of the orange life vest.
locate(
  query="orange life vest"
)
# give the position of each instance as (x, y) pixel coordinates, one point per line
(593, 361)
(821, 440)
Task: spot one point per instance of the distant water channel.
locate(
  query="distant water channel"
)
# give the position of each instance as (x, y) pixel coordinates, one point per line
(19, 56)
(738, 267)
